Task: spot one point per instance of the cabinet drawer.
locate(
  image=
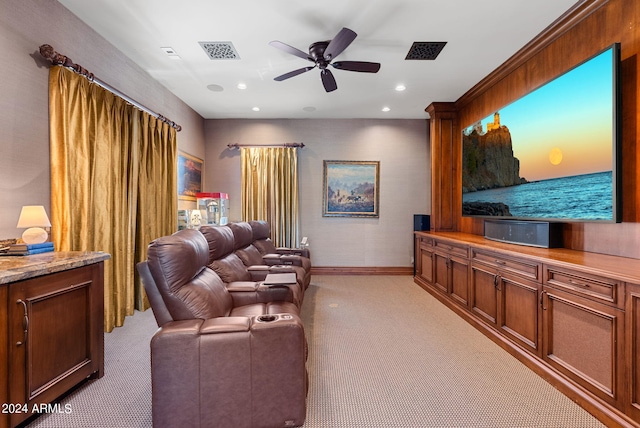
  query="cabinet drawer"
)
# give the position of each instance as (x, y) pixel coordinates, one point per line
(601, 288)
(452, 249)
(528, 269)
(426, 243)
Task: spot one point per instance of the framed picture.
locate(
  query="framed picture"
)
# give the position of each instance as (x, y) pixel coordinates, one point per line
(351, 189)
(189, 176)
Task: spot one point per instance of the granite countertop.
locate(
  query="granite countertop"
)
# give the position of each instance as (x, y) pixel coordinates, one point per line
(17, 268)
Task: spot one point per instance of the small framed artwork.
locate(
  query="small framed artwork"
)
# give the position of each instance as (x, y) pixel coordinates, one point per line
(351, 189)
(189, 176)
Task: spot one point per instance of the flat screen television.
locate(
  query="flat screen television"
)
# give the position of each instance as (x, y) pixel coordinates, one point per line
(552, 155)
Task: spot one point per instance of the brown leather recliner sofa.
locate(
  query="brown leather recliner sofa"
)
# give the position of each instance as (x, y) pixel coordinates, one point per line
(227, 263)
(261, 233)
(225, 355)
(244, 247)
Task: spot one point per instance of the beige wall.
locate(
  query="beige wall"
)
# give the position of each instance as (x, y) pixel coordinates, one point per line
(24, 127)
(402, 148)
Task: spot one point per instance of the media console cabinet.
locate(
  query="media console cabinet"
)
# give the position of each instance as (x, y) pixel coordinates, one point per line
(51, 329)
(573, 317)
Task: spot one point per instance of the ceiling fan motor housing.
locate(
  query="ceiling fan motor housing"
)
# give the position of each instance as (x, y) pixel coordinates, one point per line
(316, 51)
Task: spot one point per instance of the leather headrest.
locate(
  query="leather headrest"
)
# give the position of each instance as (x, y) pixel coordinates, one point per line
(179, 257)
(188, 288)
(261, 229)
(220, 241)
(242, 234)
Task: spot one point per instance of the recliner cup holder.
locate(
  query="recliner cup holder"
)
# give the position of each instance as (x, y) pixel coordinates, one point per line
(274, 317)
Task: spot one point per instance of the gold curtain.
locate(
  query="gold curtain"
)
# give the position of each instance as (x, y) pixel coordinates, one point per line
(270, 190)
(113, 183)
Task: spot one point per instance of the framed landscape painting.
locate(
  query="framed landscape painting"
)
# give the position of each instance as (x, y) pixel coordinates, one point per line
(351, 189)
(189, 176)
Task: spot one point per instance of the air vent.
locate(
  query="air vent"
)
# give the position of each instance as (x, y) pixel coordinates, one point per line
(425, 50)
(220, 50)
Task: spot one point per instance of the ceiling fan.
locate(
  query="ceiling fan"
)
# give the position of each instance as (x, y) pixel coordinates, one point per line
(322, 54)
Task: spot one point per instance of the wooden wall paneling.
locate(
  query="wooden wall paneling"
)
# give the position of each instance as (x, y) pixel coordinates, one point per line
(445, 167)
(586, 29)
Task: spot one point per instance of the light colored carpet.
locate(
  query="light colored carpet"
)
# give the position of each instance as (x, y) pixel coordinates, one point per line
(382, 353)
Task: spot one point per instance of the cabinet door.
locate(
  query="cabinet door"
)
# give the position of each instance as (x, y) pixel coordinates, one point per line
(56, 334)
(584, 340)
(633, 349)
(519, 311)
(459, 279)
(484, 293)
(426, 265)
(441, 272)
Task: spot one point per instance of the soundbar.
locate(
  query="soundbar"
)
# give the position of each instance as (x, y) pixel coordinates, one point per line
(533, 233)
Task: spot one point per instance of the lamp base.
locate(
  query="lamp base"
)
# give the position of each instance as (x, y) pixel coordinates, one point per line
(34, 235)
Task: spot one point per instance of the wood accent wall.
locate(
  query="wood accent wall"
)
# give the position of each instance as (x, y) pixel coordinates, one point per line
(587, 28)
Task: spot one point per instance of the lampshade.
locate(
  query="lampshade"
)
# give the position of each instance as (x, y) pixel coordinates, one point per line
(35, 218)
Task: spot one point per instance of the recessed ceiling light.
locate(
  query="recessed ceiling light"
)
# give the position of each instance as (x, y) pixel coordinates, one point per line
(309, 108)
(400, 88)
(256, 109)
(215, 88)
(242, 86)
(385, 109)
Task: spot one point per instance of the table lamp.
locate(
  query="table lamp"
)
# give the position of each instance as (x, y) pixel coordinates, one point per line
(35, 218)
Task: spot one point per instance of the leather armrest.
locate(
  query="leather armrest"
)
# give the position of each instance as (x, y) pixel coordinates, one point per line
(272, 259)
(258, 272)
(225, 325)
(243, 286)
(281, 269)
(304, 252)
(290, 259)
(248, 292)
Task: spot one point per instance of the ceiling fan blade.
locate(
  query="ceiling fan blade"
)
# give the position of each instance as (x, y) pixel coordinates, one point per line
(293, 73)
(339, 43)
(360, 66)
(328, 80)
(290, 49)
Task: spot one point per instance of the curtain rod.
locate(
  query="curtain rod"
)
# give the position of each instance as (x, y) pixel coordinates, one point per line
(58, 59)
(294, 145)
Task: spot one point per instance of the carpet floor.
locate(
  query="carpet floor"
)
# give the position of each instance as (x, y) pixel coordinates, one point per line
(382, 353)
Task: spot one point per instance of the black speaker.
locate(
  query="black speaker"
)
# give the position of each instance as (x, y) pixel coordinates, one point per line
(533, 233)
(421, 222)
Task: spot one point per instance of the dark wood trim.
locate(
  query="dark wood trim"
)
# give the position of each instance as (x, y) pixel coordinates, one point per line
(600, 409)
(564, 23)
(362, 270)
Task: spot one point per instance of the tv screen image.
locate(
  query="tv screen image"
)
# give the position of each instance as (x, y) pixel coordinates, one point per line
(552, 154)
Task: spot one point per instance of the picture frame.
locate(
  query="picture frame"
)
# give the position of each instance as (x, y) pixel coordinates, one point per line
(189, 176)
(351, 189)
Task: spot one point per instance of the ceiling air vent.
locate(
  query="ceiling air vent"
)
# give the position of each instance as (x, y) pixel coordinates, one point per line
(425, 50)
(220, 50)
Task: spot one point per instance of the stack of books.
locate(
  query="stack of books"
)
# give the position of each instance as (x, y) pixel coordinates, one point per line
(28, 249)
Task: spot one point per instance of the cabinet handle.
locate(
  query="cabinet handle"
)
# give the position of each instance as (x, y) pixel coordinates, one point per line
(500, 262)
(496, 281)
(25, 322)
(542, 300)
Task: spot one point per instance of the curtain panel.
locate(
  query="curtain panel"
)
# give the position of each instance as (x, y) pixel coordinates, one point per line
(270, 190)
(113, 183)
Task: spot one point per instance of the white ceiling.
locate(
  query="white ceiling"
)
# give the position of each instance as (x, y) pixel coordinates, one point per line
(480, 35)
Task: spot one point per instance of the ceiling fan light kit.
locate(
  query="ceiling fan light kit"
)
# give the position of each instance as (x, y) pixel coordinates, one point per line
(322, 54)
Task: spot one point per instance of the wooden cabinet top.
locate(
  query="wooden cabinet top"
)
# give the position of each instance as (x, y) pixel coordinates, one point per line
(623, 268)
(17, 268)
